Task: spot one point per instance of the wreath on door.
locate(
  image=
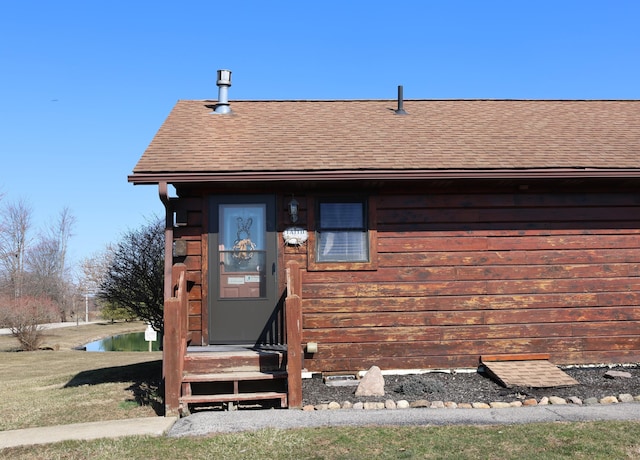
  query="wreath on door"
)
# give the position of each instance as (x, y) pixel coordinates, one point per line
(243, 247)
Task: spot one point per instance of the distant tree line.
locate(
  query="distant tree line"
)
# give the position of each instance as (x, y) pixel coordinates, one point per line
(37, 284)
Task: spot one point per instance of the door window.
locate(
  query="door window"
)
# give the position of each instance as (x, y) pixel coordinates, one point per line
(242, 250)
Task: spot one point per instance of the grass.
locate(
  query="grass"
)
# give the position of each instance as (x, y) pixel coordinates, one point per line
(43, 388)
(597, 440)
(66, 386)
(67, 338)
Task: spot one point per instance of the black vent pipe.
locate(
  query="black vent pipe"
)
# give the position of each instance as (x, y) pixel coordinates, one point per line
(400, 110)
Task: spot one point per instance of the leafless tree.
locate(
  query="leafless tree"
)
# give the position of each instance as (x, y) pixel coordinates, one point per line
(35, 267)
(14, 239)
(61, 233)
(47, 271)
(94, 270)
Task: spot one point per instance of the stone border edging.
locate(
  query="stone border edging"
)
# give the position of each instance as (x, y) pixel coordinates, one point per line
(423, 403)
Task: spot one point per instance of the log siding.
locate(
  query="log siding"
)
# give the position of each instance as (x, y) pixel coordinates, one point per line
(194, 258)
(465, 275)
(461, 275)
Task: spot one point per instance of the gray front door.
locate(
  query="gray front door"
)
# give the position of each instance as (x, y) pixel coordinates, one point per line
(242, 261)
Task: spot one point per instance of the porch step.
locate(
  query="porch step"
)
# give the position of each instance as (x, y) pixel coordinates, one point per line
(233, 397)
(234, 376)
(236, 361)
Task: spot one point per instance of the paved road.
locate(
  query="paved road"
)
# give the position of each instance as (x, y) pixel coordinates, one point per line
(204, 423)
(149, 426)
(7, 331)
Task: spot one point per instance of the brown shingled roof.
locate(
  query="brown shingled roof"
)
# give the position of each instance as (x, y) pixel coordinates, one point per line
(365, 136)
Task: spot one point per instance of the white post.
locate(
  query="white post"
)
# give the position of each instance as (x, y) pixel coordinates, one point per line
(150, 336)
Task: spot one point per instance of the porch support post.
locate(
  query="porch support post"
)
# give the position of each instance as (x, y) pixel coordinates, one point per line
(171, 357)
(293, 304)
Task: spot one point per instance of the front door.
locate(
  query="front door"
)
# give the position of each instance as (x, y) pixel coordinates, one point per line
(242, 274)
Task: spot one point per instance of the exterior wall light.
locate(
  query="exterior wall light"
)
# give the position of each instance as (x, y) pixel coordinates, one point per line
(293, 210)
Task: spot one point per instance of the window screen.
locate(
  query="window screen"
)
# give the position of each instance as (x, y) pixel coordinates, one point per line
(342, 232)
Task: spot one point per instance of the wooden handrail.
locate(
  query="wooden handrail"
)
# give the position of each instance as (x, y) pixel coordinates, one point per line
(176, 316)
(293, 315)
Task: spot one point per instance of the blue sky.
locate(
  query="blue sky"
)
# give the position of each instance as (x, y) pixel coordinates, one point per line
(84, 85)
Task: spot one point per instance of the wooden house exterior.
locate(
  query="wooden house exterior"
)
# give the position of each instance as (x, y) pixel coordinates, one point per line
(460, 229)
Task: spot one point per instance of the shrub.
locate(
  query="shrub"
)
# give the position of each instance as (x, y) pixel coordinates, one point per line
(25, 316)
(112, 312)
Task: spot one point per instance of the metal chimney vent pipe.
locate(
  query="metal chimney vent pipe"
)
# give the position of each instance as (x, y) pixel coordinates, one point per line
(400, 110)
(224, 81)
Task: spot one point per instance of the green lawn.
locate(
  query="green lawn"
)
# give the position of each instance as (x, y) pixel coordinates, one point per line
(597, 440)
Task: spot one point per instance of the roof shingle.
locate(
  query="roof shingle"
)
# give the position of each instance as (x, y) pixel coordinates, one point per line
(366, 135)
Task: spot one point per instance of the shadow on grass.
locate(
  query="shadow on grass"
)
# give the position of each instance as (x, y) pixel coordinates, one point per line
(146, 378)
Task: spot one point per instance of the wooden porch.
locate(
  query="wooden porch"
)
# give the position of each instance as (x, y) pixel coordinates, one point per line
(227, 376)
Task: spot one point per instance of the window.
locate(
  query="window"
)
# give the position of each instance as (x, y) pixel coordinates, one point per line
(344, 236)
(342, 232)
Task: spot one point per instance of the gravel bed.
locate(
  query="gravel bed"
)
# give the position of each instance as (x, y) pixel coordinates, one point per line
(465, 387)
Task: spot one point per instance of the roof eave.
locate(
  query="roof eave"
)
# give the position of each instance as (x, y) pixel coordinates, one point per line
(424, 174)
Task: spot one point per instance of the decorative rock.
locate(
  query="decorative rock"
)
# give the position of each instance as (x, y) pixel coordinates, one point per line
(420, 403)
(609, 400)
(372, 384)
(480, 405)
(498, 405)
(371, 405)
(333, 405)
(617, 375)
(625, 397)
(557, 401)
(402, 404)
